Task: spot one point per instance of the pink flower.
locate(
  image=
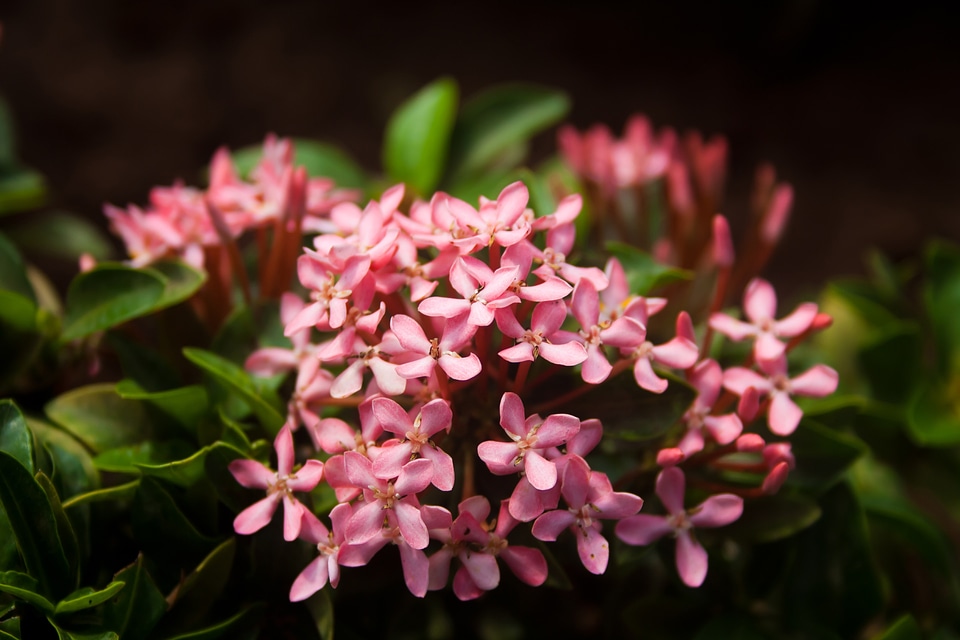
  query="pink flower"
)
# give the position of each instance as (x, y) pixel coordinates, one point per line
(483, 290)
(623, 332)
(784, 415)
(707, 379)
(435, 416)
(538, 339)
(326, 566)
(691, 557)
(760, 305)
(456, 335)
(679, 353)
(589, 497)
(279, 485)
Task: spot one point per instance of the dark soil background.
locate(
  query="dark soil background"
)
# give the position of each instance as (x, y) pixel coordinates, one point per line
(856, 105)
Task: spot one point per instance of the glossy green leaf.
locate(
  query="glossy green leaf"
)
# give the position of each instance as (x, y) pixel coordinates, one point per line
(418, 135)
(774, 517)
(146, 366)
(8, 636)
(823, 455)
(71, 634)
(195, 596)
(99, 418)
(74, 469)
(34, 526)
(129, 458)
(328, 161)
(119, 492)
(495, 122)
(186, 405)
(933, 415)
(137, 608)
(24, 587)
(188, 471)
(15, 436)
(891, 364)
(13, 271)
(264, 404)
(162, 528)
(905, 628)
(229, 628)
(10, 626)
(180, 281)
(63, 235)
(322, 612)
(109, 295)
(87, 598)
(20, 190)
(228, 490)
(942, 297)
(644, 274)
(70, 548)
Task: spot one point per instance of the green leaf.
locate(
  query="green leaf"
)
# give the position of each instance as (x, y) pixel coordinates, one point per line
(24, 587)
(229, 628)
(147, 367)
(198, 592)
(69, 634)
(118, 492)
(99, 418)
(890, 362)
(644, 274)
(162, 528)
(74, 469)
(905, 628)
(13, 272)
(87, 598)
(942, 297)
(108, 295)
(129, 459)
(933, 415)
(181, 281)
(228, 489)
(59, 234)
(328, 161)
(15, 437)
(265, 404)
(321, 610)
(823, 455)
(773, 518)
(68, 539)
(418, 135)
(137, 608)
(186, 472)
(186, 405)
(20, 190)
(35, 527)
(495, 122)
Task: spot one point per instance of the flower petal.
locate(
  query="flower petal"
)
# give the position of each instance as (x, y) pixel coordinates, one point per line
(717, 511)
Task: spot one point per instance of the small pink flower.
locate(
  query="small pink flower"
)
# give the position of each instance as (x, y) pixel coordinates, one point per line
(707, 379)
(691, 557)
(539, 339)
(279, 485)
(483, 291)
(326, 566)
(784, 415)
(679, 353)
(434, 417)
(760, 305)
(443, 351)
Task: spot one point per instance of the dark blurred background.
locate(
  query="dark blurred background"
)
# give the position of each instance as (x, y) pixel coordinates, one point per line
(855, 105)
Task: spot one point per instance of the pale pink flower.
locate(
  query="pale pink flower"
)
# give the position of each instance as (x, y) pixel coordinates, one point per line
(784, 415)
(427, 353)
(590, 498)
(760, 305)
(326, 566)
(483, 291)
(542, 338)
(623, 332)
(499, 221)
(691, 557)
(679, 353)
(280, 486)
(707, 379)
(433, 417)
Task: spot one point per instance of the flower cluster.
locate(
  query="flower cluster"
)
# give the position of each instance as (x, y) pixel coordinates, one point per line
(422, 324)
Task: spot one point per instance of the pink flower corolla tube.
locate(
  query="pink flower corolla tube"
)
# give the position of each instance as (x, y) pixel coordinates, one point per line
(691, 557)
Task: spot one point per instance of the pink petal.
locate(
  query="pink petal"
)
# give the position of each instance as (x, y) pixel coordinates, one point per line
(359, 469)
(391, 459)
(387, 377)
(414, 477)
(798, 321)
(596, 368)
(784, 415)
(439, 568)
(499, 456)
(585, 304)
(724, 429)
(483, 569)
(624, 332)
(616, 505)
(643, 529)
(551, 524)
(416, 570)
(557, 429)
(419, 368)
(512, 416)
(311, 579)
(460, 367)
(270, 361)
(760, 301)
(307, 477)
(717, 511)
(767, 347)
(464, 587)
(435, 416)
(707, 378)
(679, 353)
(527, 564)
(541, 473)
(671, 485)
(444, 307)
(565, 355)
(411, 525)
(410, 334)
(552, 288)
(594, 550)
(646, 378)
(283, 445)
(443, 471)
(739, 379)
(365, 523)
(526, 502)
(691, 560)
(391, 416)
(292, 518)
(257, 515)
(734, 329)
(252, 474)
(522, 352)
(817, 382)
